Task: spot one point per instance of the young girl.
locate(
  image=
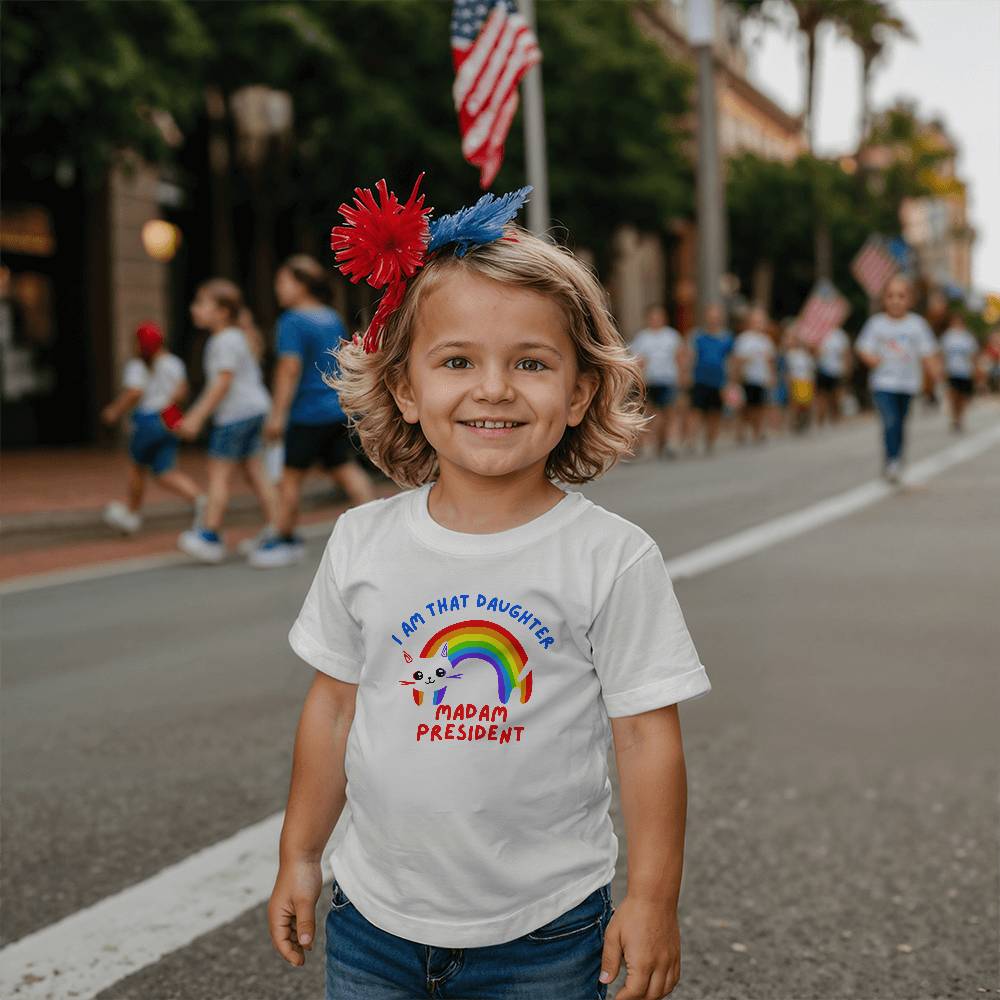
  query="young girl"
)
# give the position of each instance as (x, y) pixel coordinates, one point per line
(662, 353)
(753, 361)
(898, 347)
(480, 637)
(711, 347)
(306, 414)
(235, 396)
(154, 383)
(801, 364)
(961, 353)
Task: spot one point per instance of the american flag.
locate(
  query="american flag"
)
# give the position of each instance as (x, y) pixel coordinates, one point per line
(824, 310)
(874, 264)
(492, 48)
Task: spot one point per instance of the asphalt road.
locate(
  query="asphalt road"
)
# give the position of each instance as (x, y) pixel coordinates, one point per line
(843, 773)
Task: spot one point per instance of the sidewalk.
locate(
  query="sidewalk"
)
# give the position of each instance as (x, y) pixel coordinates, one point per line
(52, 501)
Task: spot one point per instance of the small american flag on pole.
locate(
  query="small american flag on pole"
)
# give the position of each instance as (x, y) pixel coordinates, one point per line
(824, 310)
(874, 265)
(492, 48)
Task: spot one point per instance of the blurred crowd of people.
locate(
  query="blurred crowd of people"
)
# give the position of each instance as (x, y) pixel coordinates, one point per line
(271, 437)
(761, 379)
(766, 377)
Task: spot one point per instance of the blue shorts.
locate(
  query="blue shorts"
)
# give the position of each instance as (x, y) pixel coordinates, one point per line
(661, 393)
(560, 959)
(151, 444)
(237, 441)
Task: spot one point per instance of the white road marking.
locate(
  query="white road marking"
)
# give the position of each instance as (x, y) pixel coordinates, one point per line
(90, 950)
(762, 536)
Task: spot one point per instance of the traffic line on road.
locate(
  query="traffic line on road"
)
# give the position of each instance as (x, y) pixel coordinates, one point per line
(779, 529)
(91, 950)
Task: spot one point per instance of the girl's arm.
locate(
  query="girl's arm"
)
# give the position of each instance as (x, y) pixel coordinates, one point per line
(114, 411)
(190, 426)
(180, 393)
(316, 799)
(653, 788)
(286, 381)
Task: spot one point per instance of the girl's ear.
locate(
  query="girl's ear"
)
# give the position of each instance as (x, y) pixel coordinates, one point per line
(402, 393)
(587, 384)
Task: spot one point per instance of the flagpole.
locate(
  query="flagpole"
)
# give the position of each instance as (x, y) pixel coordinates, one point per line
(534, 137)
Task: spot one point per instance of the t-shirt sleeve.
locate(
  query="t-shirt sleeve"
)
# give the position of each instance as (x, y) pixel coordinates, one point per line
(642, 650)
(290, 336)
(867, 339)
(226, 352)
(928, 345)
(135, 375)
(325, 634)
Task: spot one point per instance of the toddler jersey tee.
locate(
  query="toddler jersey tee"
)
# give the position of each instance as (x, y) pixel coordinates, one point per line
(900, 344)
(659, 348)
(959, 348)
(757, 350)
(228, 351)
(158, 385)
(487, 667)
(833, 353)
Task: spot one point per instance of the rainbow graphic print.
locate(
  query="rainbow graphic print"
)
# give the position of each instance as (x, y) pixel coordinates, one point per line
(476, 639)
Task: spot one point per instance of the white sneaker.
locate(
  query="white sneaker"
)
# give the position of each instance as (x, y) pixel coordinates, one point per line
(892, 472)
(275, 552)
(249, 545)
(194, 544)
(118, 516)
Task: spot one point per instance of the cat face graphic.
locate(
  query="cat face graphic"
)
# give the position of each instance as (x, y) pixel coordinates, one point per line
(432, 677)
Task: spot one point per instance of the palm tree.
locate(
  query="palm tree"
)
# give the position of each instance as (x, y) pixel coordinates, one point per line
(870, 24)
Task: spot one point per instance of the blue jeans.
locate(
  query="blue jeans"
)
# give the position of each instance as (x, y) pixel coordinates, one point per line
(892, 408)
(560, 960)
(238, 441)
(152, 445)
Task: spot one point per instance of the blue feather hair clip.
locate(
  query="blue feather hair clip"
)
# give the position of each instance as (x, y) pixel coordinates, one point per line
(476, 224)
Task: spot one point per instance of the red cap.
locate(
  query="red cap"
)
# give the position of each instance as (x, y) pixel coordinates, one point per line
(150, 338)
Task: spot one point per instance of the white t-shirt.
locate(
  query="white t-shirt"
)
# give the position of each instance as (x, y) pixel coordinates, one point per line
(159, 385)
(833, 353)
(756, 349)
(800, 364)
(900, 344)
(960, 349)
(487, 668)
(659, 348)
(228, 351)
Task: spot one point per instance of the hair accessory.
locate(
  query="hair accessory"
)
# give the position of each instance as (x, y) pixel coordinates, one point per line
(385, 242)
(150, 338)
(477, 224)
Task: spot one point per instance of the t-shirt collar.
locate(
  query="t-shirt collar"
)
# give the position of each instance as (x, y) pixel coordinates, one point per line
(437, 536)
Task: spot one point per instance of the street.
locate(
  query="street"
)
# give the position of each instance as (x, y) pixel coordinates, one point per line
(843, 772)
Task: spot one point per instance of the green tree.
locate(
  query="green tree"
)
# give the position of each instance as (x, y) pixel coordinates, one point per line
(81, 82)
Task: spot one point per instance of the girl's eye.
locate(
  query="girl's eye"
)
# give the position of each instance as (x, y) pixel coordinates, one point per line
(531, 361)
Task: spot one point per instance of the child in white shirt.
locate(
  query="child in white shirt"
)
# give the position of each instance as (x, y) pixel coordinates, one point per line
(237, 400)
(960, 350)
(478, 639)
(154, 384)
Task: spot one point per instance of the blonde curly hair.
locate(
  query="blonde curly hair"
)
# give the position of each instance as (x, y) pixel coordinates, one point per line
(614, 420)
